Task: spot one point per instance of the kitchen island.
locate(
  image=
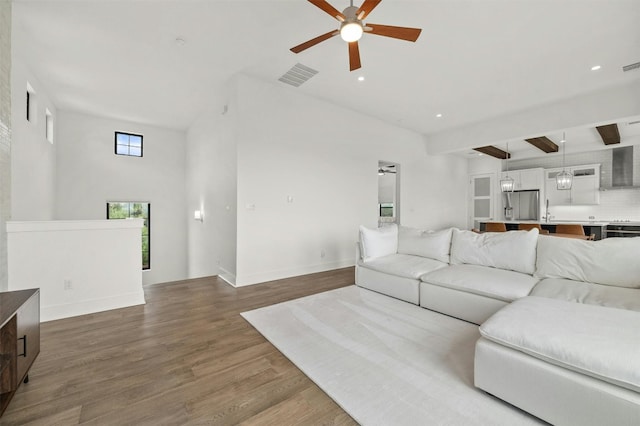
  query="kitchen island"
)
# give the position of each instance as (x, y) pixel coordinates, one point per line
(598, 229)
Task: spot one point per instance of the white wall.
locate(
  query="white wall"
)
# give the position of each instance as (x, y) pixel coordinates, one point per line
(97, 260)
(211, 176)
(326, 158)
(5, 135)
(33, 157)
(90, 174)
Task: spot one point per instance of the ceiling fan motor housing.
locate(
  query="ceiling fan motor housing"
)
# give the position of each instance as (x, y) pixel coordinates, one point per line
(351, 28)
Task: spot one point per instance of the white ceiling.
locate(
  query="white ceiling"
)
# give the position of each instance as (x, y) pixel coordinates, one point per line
(475, 60)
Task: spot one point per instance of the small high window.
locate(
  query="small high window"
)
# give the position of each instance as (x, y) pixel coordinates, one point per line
(31, 104)
(128, 144)
(49, 125)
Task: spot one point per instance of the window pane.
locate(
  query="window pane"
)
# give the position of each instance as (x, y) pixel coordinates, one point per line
(122, 139)
(482, 187)
(122, 149)
(135, 140)
(145, 260)
(118, 210)
(482, 208)
(135, 151)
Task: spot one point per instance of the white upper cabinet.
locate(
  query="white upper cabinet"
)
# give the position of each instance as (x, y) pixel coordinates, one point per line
(585, 189)
(526, 179)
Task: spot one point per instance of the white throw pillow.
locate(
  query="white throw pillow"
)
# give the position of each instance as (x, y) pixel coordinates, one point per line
(434, 245)
(612, 261)
(378, 242)
(513, 250)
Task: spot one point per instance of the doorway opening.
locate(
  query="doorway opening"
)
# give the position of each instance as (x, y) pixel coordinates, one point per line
(388, 193)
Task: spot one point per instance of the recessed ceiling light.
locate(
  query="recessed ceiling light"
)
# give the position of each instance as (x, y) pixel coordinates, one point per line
(595, 67)
(438, 115)
(361, 78)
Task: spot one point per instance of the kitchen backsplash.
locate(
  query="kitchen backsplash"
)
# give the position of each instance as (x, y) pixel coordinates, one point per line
(619, 204)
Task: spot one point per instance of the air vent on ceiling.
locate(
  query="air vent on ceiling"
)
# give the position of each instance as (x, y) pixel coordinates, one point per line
(631, 67)
(297, 75)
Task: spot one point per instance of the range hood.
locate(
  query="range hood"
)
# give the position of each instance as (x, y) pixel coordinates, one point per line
(621, 169)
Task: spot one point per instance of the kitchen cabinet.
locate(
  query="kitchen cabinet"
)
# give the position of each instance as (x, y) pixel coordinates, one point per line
(585, 189)
(526, 178)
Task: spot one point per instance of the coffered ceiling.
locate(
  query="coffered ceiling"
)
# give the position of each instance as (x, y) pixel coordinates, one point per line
(160, 62)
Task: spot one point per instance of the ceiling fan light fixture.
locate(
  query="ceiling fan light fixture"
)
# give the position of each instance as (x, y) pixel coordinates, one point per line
(351, 31)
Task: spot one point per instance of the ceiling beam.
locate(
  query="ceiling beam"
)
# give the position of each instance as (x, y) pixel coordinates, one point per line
(543, 143)
(609, 134)
(493, 151)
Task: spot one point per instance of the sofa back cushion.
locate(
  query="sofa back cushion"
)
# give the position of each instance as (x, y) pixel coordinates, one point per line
(433, 245)
(513, 250)
(378, 242)
(612, 261)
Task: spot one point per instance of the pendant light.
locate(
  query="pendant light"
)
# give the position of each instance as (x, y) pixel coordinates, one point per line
(564, 179)
(507, 183)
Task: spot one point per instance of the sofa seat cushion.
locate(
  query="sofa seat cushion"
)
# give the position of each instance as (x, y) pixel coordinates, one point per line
(592, 294)
(403, 265)
(593, 340)
(482, 280)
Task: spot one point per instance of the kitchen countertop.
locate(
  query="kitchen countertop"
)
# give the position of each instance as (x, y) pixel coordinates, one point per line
(553, 222)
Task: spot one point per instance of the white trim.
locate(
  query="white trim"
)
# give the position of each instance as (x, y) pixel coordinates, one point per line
(73, 225)
(50, 313)
(227, 276)
(291, 272)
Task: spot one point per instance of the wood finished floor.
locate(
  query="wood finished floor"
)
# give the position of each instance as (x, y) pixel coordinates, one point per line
(186, 357)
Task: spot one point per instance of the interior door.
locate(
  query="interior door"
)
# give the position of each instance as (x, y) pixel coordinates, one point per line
(481, 202)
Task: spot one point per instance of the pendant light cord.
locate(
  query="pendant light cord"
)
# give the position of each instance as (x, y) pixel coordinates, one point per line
(508, 159)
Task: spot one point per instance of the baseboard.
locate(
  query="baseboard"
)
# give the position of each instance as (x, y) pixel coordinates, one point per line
(251, 279)
(67, 310)
(227, 276)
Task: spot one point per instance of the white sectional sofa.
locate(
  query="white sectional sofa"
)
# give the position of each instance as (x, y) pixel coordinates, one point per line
(560, 317)
(459, 273)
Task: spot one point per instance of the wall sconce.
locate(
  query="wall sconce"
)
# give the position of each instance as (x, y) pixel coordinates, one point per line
(198, 215)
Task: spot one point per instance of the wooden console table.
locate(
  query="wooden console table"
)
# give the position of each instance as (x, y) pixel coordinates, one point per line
(19, 340)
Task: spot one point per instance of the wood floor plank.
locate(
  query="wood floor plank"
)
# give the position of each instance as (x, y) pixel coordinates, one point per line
(186, 357)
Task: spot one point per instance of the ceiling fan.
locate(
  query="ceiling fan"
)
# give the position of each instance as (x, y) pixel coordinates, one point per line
(352, 27)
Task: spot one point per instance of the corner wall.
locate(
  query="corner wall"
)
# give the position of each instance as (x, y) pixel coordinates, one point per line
(307, 178)
(33, 157)
(90, 174)
(5, 136)
(211, 186)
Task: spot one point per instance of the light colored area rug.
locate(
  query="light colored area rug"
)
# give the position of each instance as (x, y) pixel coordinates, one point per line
(384, 361)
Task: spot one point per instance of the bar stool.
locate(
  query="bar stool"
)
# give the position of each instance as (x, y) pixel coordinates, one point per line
(495, 227)
(570, 229)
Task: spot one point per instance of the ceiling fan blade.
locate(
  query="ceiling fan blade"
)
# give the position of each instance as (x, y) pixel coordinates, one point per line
(354, 56)
(307, 44)
(402, 33)
(366, 8)
(322, 4)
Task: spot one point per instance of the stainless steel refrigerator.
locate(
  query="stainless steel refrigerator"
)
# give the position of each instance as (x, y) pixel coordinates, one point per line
(521, 205)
